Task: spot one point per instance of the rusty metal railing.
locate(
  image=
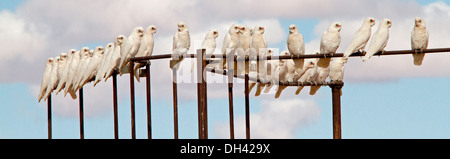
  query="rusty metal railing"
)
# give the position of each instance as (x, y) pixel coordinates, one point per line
(202, 60)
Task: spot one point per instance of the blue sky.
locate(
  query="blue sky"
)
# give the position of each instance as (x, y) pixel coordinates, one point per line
(412, 103)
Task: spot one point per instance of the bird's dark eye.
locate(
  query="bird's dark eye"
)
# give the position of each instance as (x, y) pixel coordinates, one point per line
(235, 27)
(182, 25)
(371, 20)
(293, 27)
(420, 21)
(260, 28)
(243, 28)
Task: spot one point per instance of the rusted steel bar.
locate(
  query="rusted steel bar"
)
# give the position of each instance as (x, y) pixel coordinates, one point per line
(230, 96)
(204, 96)
(247, 108)
(336, 95)
(149, 103)
(394, 52)
(175, 103)
(133, 117)
(80, 94)
(224, 72)
(49, 116)
(116, 120)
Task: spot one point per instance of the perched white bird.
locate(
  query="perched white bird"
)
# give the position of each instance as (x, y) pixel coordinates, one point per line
(209, 44)
(61, 65)
(53, 80)
(181, 44)
(45, 78)
(76, 61)
(293, 74)
(243, 49)
(295, 44)
(82, 67)
(320, 75)
(308, 74)
(114, 61)
(419, 40)
(230, 43)
(285, 72)
(379, 39)
(264, 75)
(65, 72)
(146, 47)
(258, 47)
(92, 67)
(130, 48)
(102, 66)
(337, 70)
(329, 43)
(360, 38)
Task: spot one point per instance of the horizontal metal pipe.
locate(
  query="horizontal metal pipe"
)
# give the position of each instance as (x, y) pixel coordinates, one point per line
(394, 52)
(224, 72)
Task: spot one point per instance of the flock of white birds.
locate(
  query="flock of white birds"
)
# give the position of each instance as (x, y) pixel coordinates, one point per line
(71, 71)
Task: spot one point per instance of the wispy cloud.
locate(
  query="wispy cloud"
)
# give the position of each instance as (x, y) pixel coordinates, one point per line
(280, 119)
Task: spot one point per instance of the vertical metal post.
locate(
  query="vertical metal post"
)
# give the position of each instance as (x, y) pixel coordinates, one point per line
(201, 92)
(116, 121)
(247, 108)
(80, 93)
(230, 96)
(49, 115)
(149, 106)
(133, 123)
(336, 93)
(204, 96)
(175, 103)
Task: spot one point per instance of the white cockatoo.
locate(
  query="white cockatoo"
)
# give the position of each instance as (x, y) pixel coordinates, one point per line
(113, 63)
(53, 80)
(146, 47)
(264, 74)
(258, 47)
(82, 67)
(285, 72)
(65, 70)
(419, 40)
(243, 49)
(92, 67)
(337, 70)
(62, 63)
(102, 66)
(361, 37)
(379, 39)
(293, 74)
(76, 61)
(130, 48)
(295, 44)
(311, 64)
(321, 75)
(209, 44)
(45, 78)
(329, 43)
(181, 44)
(230, 44)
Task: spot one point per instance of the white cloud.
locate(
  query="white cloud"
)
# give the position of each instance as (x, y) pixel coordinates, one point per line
(436, 15)
(276, 119)
(71, 24)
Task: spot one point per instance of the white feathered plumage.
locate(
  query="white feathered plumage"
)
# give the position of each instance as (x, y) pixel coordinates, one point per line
(419, 40)
(379, 39)
(360, 38)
